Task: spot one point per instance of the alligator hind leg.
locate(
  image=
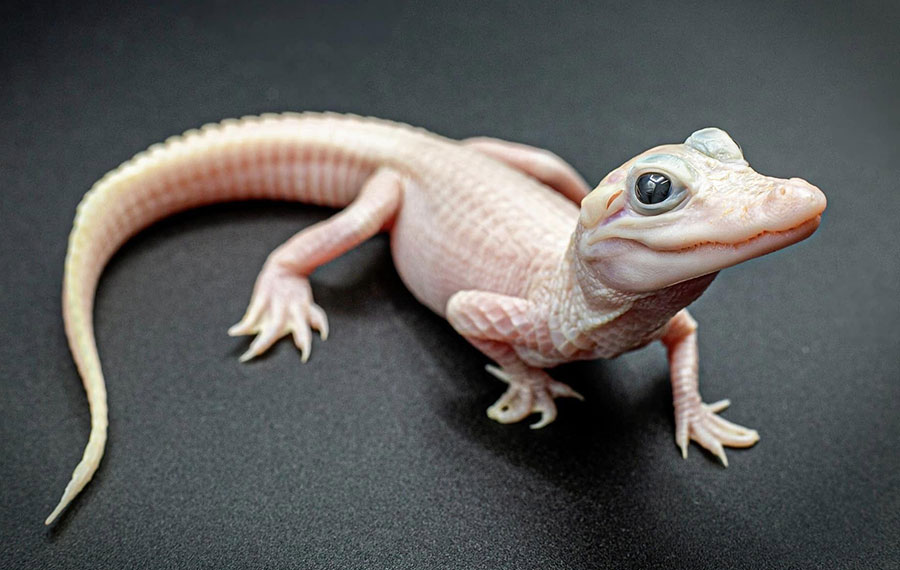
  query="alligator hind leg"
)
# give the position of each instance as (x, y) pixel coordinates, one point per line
(282, 301)
(537, 163)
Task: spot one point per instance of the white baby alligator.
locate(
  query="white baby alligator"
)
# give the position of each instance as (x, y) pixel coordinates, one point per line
(486, 233)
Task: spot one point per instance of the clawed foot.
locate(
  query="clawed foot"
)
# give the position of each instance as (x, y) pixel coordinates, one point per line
(702, 424)
(530, 391)
(282, 303)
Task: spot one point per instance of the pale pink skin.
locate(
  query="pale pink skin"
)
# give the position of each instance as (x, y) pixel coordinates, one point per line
(484, 232)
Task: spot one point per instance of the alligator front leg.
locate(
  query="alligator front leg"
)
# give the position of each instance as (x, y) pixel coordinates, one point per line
(695, 420)
(494, 323)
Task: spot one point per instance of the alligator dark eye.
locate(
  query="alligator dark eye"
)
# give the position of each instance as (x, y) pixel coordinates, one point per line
(652, 188)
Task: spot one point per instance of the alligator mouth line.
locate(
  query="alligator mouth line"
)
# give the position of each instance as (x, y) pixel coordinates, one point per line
(796, 233)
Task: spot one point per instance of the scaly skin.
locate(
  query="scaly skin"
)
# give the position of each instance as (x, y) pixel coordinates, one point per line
(484, 232)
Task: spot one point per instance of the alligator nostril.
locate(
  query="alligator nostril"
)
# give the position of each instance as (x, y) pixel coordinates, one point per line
(777, 193)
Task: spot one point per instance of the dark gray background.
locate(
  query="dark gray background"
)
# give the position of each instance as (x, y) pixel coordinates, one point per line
(378, 453)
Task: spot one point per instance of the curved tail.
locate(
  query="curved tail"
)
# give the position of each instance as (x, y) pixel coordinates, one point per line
(314, 158)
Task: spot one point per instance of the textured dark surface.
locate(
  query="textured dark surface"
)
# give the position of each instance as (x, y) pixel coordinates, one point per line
(378, 453)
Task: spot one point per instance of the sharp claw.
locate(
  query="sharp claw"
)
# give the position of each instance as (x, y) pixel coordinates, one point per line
(731, 440)
(719, 451)
(263, 341)
(318, 320)
(249, 324)
(682, 437)
(302, 340)
(724, 458)
(708, 440)
(251, 353)
(545, 419)
(270, 332)
(728, 433)
(498, 373)
(240, 329)
(560, 390)
(298, 324)
(544, 404)
(728, 426)
(719, 406)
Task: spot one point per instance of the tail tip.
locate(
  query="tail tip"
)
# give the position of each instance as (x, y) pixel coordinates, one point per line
(63, 503)
(53, 516)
